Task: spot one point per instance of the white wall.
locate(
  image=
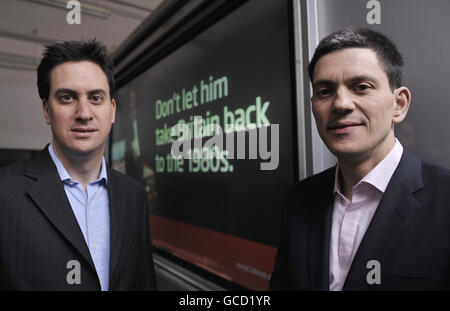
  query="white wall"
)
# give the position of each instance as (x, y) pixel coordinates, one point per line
(22, 124)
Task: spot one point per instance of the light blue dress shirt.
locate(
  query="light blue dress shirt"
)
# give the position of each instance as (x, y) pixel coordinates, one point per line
(92, 212)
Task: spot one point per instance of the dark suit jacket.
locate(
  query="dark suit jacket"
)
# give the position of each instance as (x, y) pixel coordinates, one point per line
(409, 233)
(39, 233)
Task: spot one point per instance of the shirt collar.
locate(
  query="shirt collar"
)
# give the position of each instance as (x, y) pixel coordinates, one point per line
(380, 175)
(64, 175)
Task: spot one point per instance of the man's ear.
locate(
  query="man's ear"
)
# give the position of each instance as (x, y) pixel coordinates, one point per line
(113, 111)
(402, 99)
(46, 109)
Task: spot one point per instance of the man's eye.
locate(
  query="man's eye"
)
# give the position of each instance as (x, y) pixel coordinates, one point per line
(323, 92)
(362, 87)
(97, 99)
(66, 98)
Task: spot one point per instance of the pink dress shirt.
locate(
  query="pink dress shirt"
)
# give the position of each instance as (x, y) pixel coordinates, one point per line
(351, 218)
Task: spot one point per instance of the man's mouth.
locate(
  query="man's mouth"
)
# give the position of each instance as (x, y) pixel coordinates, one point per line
(340, 127)
(83, 131)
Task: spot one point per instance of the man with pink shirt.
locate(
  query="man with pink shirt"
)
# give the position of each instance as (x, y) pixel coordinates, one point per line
(379, 219)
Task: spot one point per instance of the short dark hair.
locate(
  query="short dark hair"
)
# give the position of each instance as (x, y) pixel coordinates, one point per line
(73, 51)
(354, 37)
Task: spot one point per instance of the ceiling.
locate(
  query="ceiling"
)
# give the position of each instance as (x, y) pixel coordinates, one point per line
(27, 25)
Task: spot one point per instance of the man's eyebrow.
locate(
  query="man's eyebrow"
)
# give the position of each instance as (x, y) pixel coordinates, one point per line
(360, 78)
(323, 83)
(97, 91)
(73, 92)
(351, 80)
(64, 90)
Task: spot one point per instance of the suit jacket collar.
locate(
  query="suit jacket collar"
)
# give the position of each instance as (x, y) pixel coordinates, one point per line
(393, 214)
(397, 207)
(49, 196)
(319, 232)
(117, 209)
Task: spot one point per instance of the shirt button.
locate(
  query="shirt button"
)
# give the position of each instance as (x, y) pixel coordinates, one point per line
(94, 245)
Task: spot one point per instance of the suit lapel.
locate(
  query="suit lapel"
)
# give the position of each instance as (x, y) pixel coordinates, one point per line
(49, 196)
(116, 207)
(393, 215)
(319, 231)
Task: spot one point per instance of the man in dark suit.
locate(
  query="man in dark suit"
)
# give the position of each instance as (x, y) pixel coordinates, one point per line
(380, 219)
(67, 221)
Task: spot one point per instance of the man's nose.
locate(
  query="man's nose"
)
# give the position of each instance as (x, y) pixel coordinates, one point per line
(343, 101)
(84, 111)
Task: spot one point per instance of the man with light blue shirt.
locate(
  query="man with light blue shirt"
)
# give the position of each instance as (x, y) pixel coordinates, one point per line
(91, 208)
(379, 219)
(67, 221)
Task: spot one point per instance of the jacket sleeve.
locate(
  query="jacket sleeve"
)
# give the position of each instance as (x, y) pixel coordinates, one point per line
(278, 280)
(148, 281)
